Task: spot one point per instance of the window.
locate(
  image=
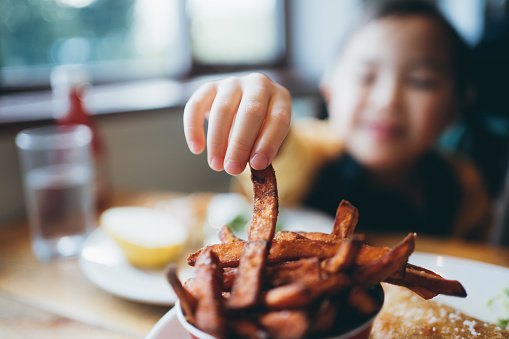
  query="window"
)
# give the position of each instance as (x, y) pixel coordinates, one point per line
(236, 32)
(132, 39)
(107, 35)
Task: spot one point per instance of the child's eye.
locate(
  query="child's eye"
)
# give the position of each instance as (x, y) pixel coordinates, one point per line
(366, 78)
(421, 83)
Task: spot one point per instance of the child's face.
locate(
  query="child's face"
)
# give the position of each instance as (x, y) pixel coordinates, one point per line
(392, 93)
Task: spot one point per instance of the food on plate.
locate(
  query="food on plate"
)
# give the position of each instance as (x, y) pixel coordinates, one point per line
(499, 305)
(149, 237)
(296, 284)
(405, 315)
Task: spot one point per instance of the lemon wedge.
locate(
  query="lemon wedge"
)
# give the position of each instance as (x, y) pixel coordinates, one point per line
(149, 238)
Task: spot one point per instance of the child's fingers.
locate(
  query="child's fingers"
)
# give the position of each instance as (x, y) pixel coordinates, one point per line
(274, 131)
(194, 115)
(221, 116)
(248, 121)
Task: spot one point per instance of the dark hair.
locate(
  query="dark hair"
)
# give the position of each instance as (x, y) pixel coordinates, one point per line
(460, 52)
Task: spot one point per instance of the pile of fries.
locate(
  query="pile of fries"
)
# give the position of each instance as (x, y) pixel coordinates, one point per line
(295, 284)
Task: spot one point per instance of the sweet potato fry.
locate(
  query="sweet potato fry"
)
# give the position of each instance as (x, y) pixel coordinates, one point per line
(388, 264)
(422, 292)
(296, 284)
(263, 221)
(248, 329)
(191, 286)
(317, 236)
(288, 296)
(280, 251)
(324, 318)
(210, 311)
(288, 236)
(297, 294)
(285, 324)
(303, 270)
(229, 275)
(187, 300)
(362, 301)
(424, 280)
(345, 256)
(346, 220)
(226, 235)
(306, 271)
(248, 283)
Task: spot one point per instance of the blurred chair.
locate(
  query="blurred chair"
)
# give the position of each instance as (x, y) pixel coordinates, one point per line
(500, 231)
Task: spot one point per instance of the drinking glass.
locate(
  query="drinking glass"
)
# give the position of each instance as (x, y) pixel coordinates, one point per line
(57, 177)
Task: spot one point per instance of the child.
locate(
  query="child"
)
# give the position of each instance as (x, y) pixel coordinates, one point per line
(397, 83)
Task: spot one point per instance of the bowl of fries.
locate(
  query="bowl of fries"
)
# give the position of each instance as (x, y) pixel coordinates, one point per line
(295, 284)
(360, 328)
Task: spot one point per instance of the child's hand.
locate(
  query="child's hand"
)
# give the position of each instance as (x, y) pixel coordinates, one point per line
(249, 118)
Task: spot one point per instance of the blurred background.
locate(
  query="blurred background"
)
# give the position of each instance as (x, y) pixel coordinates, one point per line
(143, 59)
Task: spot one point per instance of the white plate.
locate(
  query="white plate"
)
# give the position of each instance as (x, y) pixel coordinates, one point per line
(104, 264)
(482, 282)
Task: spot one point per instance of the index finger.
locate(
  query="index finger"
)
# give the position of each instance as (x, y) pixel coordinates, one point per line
(194, 115)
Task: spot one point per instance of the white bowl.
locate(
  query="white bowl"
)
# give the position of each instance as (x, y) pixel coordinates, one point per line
(360, 332)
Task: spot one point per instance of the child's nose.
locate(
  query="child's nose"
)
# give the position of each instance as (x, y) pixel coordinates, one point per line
(387, 96)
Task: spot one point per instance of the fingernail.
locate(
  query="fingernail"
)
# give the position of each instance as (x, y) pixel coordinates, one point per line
(216, 163)
(259, 161)
(233, 167)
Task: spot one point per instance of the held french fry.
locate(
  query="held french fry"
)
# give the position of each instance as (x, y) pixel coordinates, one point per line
(265, 210)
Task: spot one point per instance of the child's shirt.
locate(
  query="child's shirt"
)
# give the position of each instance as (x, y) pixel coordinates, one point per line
(313, 170)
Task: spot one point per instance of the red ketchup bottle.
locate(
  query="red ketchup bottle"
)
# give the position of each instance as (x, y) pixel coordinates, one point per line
(69, 86)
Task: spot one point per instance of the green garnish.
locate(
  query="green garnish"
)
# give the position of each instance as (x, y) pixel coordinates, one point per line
(499, 305)
(239, 224)
(279, 226)
(503, 323)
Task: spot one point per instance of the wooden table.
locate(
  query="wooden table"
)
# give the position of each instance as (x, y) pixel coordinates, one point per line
(42, 300)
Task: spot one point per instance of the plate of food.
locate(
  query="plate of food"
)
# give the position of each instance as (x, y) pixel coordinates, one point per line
(126, 255)
(316, 284)
(235, 210)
